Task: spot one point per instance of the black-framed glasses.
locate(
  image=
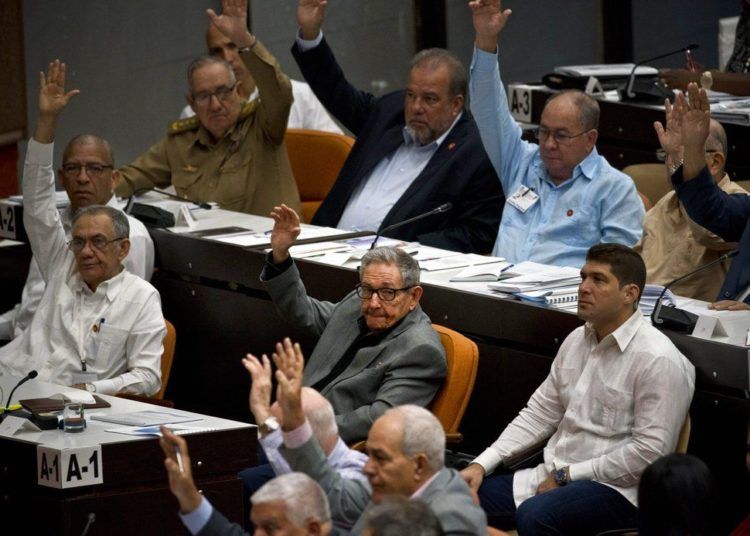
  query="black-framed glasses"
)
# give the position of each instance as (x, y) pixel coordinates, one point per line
(543, 133)
(386, 294)
(71, 170)
(222, 93)
(98, 242)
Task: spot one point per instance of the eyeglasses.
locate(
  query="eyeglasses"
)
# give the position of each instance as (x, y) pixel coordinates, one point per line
(71, 170)
(98, 242)
(385, 294)
(542, 134)
(222, 93)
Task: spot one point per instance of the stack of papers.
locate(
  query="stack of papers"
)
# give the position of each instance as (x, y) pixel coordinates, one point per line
(483, 272)
(735, 111)
(651, 294)
(537, 279)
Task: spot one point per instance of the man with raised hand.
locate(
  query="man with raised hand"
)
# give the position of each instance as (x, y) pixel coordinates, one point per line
(232, 152)
(376, 348)
(416, 149)
(562, 196)
(98, 326)
(406, 449)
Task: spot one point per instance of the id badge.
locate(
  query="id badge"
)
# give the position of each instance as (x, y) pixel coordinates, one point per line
(84, 377)
(523, 199)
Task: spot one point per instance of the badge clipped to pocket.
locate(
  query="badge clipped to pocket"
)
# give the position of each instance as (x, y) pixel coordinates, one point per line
(523, 199)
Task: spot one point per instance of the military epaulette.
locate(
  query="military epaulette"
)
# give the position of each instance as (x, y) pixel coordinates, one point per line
(183, 125)
(249, 107)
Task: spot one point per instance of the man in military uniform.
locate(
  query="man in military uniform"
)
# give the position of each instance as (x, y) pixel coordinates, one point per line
(232, 152)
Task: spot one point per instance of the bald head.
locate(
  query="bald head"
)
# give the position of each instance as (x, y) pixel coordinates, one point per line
(319, 414)
(717, 147)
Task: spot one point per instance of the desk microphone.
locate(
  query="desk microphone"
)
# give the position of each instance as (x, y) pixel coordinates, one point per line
(445, 207)
(677, 319)
(30, 376)
(649, 90)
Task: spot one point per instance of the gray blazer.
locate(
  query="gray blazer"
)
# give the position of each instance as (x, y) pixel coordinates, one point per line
(447, 495)
(406, 367)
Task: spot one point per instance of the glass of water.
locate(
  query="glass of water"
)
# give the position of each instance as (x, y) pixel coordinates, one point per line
(73, 420)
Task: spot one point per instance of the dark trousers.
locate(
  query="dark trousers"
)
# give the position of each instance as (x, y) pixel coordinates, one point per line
(582, 507)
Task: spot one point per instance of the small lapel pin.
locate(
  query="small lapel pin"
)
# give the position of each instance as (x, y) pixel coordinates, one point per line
(570, 212)
(451, 145)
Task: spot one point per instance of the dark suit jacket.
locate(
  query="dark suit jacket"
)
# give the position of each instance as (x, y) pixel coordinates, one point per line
(459, 172)
(406, 367)
(725, 215)
(447, 495)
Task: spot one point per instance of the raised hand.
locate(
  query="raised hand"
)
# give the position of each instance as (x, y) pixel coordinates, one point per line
(260, 390)
(489, 19)
(286, 229)
(181, 481)
(233, 22)
(670, 136)
(310, 16)
(696, 117)
(52, 100)
(290, 363)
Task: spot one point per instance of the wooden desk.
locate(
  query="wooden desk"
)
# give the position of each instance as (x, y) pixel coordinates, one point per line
(134, 497)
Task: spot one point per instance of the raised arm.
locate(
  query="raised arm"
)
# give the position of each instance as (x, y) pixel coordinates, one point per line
(40, 216)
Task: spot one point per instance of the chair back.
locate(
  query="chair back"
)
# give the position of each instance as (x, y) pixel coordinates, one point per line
(462, 356)
(170, 340)
(650, 180)
(316, 158)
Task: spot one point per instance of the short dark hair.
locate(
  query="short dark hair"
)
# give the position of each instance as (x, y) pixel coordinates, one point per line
(396, 516)
(677, 495)
(432, 58)
(626, 265)
(81, 139)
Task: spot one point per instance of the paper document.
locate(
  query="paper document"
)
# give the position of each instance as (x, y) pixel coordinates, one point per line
(458, 261)
(147, 417)
(155, 431)
(483, 272)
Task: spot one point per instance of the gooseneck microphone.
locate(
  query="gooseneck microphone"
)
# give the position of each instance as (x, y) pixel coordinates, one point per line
(628, 93)
(677, 319)
(131, 199)
(30, 376)
(445, 207)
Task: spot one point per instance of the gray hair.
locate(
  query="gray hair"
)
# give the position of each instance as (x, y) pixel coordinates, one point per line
(322, 418)
(82, 139)
(303, 497)
(407, 265)
(120, 222)
(396, 516)
(423, 434)
(203, 61)
(588, 108)
(434, 58)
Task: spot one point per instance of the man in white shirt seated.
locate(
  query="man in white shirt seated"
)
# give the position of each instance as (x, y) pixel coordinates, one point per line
(98, 326)
(88, 177)
(614, 402)
(307, 111)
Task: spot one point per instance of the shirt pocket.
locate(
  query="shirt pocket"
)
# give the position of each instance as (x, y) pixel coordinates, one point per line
(578, 226)
(613, 410)
(235, 184)
(107, 345)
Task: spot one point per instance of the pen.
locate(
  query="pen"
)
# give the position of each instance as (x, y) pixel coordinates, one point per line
(179, 459)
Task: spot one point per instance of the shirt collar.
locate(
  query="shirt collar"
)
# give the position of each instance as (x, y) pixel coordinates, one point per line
(409, 137)
(417, 494)
(586, 168)
(111, 287)
(623, 334)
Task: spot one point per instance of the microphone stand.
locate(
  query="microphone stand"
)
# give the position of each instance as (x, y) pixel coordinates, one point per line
(628, 93)
(445, 207)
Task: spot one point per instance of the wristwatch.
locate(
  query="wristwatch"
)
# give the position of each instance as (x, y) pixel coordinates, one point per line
(268, 426)
(561, 476)
(91, 388)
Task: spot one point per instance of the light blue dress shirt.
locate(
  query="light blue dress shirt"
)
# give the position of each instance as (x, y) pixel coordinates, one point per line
(597, 204)
(195, 521)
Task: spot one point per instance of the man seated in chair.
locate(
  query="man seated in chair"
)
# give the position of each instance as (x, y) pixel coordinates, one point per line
(98, 326)
(377, 348)
(614, 402)
(673, 244)
(406, 451)
(416, 149)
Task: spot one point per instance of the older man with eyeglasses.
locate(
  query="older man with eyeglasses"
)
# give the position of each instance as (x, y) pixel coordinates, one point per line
(98, 327)
(562, 196)
(376, 347)
(231, 152)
